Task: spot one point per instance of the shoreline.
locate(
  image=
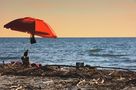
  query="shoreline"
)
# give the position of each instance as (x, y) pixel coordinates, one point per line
(56, 77)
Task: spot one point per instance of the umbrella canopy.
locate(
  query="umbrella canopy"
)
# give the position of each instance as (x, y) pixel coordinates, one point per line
(32, 26)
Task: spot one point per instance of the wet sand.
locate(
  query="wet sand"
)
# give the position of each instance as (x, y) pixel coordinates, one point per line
(55, 77)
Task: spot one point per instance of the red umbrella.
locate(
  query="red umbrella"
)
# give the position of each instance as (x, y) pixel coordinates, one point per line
(33, 26)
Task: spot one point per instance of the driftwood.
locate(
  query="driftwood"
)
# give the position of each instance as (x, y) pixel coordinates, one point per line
(81, 77)
(95, 67)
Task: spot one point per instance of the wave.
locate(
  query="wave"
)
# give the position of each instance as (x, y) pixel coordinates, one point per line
(6, 58)
(107, 55)
(95, 50)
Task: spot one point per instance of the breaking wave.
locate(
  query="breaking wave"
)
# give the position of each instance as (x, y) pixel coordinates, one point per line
(107, 55)
(95, 50)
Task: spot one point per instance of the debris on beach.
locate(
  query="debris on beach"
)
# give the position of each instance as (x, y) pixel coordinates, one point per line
(15, 76)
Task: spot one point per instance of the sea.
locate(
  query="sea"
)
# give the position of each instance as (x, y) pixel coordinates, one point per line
(105, 52)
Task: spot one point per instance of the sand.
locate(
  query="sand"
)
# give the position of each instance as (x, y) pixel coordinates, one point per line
(55, 77)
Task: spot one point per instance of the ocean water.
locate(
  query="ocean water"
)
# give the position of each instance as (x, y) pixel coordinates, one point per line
(113, 52)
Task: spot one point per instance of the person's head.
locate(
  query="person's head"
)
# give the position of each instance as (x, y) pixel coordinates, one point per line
(26, 53)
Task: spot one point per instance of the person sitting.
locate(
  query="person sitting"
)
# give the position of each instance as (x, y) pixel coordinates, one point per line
(25, 59)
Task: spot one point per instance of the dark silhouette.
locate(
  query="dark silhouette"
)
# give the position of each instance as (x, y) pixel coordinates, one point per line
(3, 62)
(26, 53)
(25, 59)
(32, 39)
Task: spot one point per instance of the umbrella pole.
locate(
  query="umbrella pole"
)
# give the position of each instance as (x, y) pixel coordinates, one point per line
(32, 39)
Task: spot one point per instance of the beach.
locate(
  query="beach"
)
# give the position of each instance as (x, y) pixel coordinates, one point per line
(57, 77)
(105, 64)
(68, 45)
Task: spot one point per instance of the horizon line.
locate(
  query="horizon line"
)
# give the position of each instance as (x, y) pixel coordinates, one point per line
(72, 37)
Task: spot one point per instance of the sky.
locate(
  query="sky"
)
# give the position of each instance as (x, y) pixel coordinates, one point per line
(74, 18)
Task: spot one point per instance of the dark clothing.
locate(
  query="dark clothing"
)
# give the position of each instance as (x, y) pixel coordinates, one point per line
(32, 39)
(25, 59)
(26, 53)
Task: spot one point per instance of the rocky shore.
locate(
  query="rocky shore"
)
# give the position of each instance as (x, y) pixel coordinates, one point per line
(57, 77)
